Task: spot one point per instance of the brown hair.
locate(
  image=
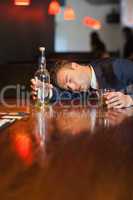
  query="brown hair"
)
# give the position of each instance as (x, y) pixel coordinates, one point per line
(55, 69)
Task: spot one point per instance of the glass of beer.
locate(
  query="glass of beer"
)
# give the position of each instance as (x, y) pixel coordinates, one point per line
(103, 96)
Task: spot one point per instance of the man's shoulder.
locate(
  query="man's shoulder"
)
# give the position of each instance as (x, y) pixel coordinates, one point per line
(116, 62)
(96, 62)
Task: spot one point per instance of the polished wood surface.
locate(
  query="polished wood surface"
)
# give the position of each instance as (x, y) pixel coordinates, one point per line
(65, 152)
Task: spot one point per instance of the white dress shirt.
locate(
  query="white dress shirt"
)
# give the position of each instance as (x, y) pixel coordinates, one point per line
(94, 83)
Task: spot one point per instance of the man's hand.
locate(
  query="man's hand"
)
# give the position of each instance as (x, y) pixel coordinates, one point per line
(118, 100)
(34, 88)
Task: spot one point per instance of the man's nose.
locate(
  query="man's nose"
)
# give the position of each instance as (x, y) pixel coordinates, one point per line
(71, 86)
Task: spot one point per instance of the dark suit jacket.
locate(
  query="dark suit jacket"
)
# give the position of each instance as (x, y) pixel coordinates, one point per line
(110, 73)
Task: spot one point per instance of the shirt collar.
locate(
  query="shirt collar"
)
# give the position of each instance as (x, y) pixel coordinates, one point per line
(94, 83)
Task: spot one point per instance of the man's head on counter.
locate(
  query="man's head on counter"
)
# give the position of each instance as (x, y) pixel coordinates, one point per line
(71, 76)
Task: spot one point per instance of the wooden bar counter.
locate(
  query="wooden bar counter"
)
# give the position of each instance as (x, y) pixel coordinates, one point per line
(67, 153)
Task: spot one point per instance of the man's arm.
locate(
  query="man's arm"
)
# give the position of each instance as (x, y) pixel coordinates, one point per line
(118, 100)
(123, 70)
(56, 94)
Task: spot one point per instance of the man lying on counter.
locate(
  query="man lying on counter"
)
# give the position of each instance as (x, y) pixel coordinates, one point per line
(107, 73)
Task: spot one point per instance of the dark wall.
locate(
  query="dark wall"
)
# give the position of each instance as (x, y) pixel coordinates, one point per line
(23, 29)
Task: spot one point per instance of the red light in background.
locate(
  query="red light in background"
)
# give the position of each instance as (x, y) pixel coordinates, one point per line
(21, 14)
(22, 2)
(54, 7)
(91, 23)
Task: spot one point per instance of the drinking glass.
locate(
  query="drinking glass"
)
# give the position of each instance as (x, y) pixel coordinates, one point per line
(103, 96)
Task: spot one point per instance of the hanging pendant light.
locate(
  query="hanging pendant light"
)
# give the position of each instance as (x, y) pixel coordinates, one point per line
(69, 13)
(54, 7)
(22, 2)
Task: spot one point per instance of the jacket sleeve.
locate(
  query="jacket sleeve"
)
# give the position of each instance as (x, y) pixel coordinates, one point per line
(59, 94)
(129, 90)
(82, 97)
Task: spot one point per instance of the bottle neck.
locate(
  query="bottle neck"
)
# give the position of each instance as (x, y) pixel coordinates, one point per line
(42, 66)
(42, 59)
(42, 62)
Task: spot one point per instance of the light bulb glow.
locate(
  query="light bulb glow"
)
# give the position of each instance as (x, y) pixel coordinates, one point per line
(22, 2)
(54, 7)
(91, 23)
(69, 13)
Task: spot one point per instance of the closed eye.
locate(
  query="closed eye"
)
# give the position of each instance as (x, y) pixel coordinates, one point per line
(66, 79)
(69, 80)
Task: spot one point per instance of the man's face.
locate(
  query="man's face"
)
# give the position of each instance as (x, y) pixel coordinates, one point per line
(73, 77)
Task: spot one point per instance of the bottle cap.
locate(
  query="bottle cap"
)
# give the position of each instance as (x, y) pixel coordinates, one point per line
(42, 49)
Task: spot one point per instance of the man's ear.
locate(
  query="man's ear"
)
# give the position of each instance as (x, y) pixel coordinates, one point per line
(74, 65)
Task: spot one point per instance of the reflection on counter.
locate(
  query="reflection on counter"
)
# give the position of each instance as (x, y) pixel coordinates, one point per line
(35, 142)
